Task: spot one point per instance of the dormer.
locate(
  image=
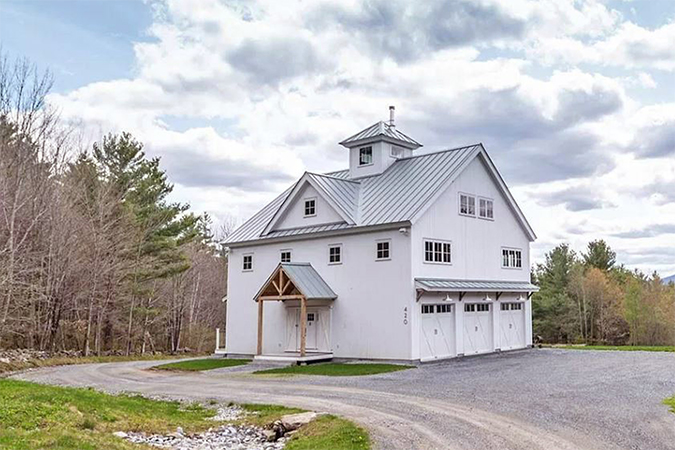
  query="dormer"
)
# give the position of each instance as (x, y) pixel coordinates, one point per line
(374, 149)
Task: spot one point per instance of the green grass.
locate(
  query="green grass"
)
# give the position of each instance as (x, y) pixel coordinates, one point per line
(670, 401)
(35, 416)
(623, 348)
(195, 365)
(336, 369)
(13, 366)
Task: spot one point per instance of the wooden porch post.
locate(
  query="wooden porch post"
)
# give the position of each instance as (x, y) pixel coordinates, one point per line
(303, 325)
(260, 327)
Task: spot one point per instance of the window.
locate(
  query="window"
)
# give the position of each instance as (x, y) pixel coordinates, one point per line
(467, 205)
(485, 208)
(310, 207)
(427, 309)
(476, 307)
(504, 307)
(383, 250)
(443, 309)
(247, 263)
(469, 307)
(310, 317)
(365, 156)
(285, 256)
(335, 254)
(396, 152)
(438, 252)
(512, 306)
(512, 258)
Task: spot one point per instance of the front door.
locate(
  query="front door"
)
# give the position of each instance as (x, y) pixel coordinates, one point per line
(318, 327)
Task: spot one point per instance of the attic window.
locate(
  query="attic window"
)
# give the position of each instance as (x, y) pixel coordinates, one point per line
(365, 156)
(467, 205)
(396, 152)
(485, 208)
(310, 207)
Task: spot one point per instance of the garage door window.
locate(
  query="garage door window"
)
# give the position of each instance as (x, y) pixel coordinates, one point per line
(427, 309)
(482, 307)
(443, 309)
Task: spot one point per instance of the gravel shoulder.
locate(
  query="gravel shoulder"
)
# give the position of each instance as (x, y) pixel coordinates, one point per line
(536, 399)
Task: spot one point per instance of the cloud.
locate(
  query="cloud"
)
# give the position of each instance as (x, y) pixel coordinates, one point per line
(648, 231)
(577, 198)
(655, 141)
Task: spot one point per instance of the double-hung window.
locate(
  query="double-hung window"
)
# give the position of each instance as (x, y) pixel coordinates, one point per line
(365, 156)
(247, 263)
(335, 254)
(310, 207)
(467, 205)
(512, 258)
(486, 208)
(437, 252)
(383, 251)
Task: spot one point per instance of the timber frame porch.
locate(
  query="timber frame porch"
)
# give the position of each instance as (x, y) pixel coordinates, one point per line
(293, 281)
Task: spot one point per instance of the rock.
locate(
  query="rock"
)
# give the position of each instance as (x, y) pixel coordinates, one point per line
(120, 434)
(270, 435)
(294, 421)
(179, 431)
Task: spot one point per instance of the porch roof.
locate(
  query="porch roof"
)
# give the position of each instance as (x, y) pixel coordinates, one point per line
(447, 285)
(305, 280)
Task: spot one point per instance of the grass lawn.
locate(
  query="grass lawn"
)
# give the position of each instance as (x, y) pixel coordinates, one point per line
(196, 365)
(64, 361)
(623, 348)
(337, 369)
(35, 416)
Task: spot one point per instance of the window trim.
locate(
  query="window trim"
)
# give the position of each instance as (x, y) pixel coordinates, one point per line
(435, 241)
(371, 156)
(514, 267)
(487, 199)
(377, 250)
(285, 250)
(391, 151)
(335, 263)
(459, 204)
(304, 210)
(243, 262)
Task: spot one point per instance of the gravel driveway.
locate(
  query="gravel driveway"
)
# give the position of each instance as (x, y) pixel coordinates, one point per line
(535, 399)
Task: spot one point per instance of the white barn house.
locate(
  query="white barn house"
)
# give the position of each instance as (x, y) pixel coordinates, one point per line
(400, 257)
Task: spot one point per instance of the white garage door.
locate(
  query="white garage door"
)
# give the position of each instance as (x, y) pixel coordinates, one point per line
(512, 325)
(477, 328)
(437, 338)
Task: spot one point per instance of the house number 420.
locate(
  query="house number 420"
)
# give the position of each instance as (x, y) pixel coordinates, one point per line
(405, 316)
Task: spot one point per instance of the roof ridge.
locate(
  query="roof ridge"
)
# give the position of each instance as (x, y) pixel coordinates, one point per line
(334, 178)
(447, 150)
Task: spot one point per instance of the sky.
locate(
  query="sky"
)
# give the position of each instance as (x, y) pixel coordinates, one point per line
(573, 99)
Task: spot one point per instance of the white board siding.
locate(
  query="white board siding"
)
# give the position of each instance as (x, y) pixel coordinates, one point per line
(294, 216)
(476, 243)
(368, 315)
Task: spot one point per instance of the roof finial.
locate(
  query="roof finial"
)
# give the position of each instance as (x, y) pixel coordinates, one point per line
(391, 116)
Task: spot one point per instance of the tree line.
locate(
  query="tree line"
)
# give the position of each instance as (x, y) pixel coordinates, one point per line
(588, 298)
(93, 254)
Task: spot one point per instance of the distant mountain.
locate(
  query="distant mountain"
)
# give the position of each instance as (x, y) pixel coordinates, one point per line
(670, 279)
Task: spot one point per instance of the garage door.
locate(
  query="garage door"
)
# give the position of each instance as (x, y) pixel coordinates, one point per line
(437, 338)
(477, 328)
(512, 325)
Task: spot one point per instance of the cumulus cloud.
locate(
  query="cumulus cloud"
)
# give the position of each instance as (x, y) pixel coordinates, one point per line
(648, 231)
(577, 198)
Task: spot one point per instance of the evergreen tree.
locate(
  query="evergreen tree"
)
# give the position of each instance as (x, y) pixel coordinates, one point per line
(599, 255)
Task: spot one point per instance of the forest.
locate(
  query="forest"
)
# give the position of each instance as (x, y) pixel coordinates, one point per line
(93, 255)
(588, 298)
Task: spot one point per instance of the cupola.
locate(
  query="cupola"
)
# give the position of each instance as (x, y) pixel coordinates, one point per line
(374, 149)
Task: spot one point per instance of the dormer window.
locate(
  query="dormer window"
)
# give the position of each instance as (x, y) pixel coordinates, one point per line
(365, 156)
(310, 207)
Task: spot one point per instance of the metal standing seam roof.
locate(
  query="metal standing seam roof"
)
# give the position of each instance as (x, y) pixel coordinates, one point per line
(381, 128)
(394, 196)
(443, 285)
(308, 281)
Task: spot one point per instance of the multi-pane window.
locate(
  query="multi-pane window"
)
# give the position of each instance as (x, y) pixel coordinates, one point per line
(247, 262)
(443, 309)
(438, 252)
(512, 258)
(512, 306)
(365, 156)
(383, 250)
(427, 309)
(335, 254)
(476, 307)
(285, 256)
(467, 204)
(310, 207)
(486, 208)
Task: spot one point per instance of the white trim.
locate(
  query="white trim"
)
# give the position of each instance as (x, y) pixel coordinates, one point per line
(432, 240)
(388, 241)
(285, 250)
(304, 206)
(515, 249)
(475, 204)
(487, 199)
(372, 157)
(342, 255)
